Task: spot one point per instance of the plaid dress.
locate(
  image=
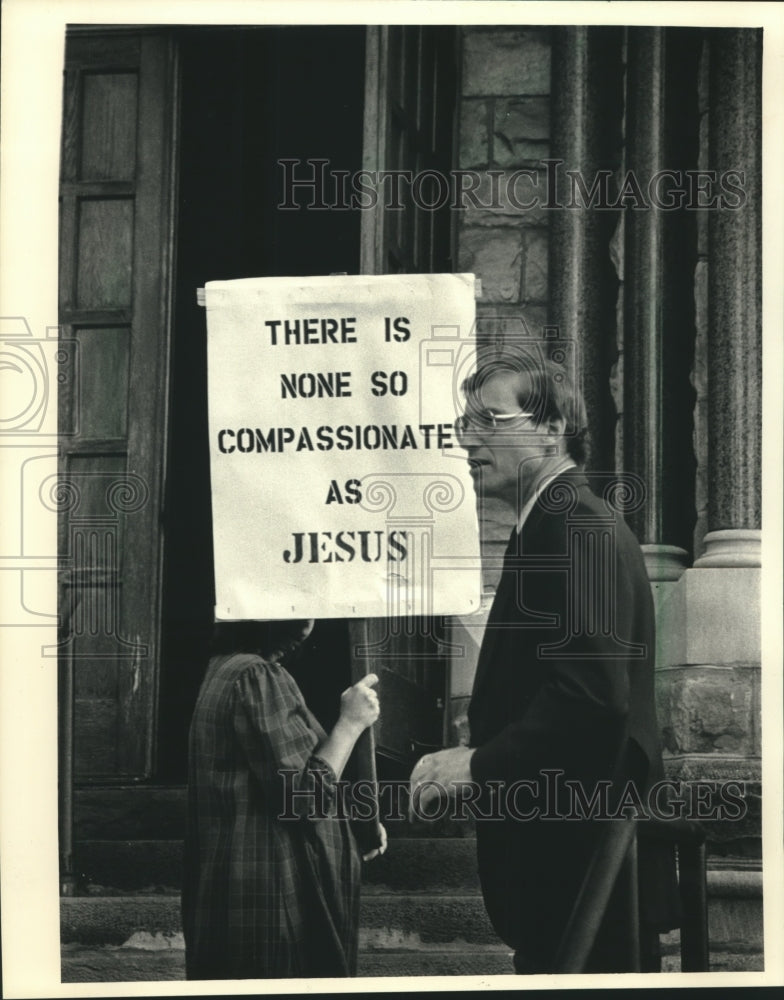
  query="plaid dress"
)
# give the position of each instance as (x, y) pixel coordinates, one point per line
(271, 881)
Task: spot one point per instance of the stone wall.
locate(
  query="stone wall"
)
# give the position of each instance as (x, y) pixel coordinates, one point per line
(505, 128)
(708, 656)
(504, 134)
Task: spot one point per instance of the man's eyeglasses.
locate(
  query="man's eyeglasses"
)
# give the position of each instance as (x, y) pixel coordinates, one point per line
(485, 421)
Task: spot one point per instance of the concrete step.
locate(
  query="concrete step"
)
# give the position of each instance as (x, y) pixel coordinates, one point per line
(410, 864)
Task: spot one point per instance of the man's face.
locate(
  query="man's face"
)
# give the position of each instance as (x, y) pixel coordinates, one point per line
(507, 460)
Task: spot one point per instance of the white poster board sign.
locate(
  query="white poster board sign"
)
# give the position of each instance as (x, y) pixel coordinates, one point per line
(339, 489)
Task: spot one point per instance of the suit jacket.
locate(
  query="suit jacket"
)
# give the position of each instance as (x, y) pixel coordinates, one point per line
(564, 683)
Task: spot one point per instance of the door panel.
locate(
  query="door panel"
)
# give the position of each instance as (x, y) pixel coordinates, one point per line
(409, 126)
(115, 239)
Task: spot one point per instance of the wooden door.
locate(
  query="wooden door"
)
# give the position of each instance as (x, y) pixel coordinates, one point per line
(115, 275)
(410, 100)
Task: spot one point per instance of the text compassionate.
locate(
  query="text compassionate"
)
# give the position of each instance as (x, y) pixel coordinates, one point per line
(345, 437)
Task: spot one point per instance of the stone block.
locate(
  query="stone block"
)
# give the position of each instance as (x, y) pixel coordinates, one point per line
(504, 324)
(735, 909)
(707, 709)
(712, 616)
(535, 266)
(505, 198)
(713, 766)
(495, 256)
(505, 61)
(474, 136)
(521, 131)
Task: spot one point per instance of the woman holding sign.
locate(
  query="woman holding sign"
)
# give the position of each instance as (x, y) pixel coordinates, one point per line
(272, 869)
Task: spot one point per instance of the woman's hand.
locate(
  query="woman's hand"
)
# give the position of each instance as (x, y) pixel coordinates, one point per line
(359, 706)
(358, 710)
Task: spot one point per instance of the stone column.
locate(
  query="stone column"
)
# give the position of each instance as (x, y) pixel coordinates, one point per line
(658, 325)
(586, 137)
(735, 304)
(709, 628)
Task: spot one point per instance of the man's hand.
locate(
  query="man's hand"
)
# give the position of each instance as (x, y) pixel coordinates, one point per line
(378, 850)
(438, 773)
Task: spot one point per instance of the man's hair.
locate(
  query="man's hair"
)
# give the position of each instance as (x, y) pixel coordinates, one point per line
(546, 390)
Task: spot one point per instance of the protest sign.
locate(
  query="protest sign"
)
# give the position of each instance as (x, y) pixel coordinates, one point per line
(338, 487)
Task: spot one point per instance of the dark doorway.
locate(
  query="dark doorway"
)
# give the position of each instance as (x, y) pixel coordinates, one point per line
(249, 97)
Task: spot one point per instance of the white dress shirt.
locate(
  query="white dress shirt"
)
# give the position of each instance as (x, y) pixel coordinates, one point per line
(566, 463)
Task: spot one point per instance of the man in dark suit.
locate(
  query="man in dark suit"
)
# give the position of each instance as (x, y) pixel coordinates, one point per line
(564, 686)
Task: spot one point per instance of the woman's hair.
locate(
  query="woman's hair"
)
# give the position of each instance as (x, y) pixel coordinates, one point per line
(270, 639)
(546, 390)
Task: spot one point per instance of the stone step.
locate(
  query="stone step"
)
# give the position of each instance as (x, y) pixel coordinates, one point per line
(154, 812)
(415, 863)
(398, 917)
(165, 960)
(81, 963)
(387, 920)
(107, 963)
(114, 920)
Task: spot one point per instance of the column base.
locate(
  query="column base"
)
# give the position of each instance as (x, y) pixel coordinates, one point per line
(731, 547)
(664, 562)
